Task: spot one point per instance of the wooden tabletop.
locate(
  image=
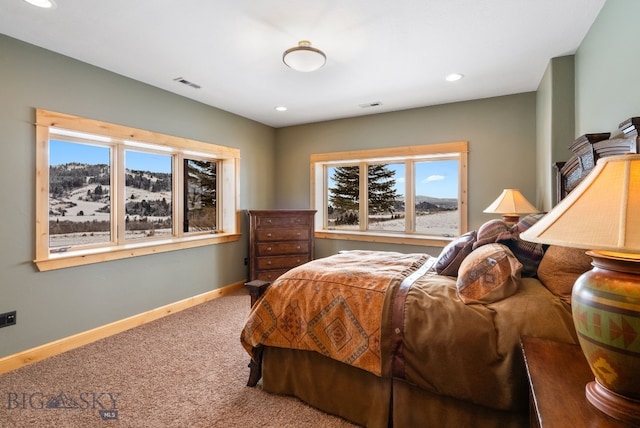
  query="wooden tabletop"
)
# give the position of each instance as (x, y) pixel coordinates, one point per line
(558, 373)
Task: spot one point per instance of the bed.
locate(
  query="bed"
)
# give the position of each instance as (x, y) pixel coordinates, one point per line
(392, 339)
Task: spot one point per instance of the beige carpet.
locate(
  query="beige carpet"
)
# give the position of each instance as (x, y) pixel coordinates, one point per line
(184, 370)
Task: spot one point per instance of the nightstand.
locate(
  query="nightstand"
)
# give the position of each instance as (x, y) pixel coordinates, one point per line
(558, 373)
(256, 290)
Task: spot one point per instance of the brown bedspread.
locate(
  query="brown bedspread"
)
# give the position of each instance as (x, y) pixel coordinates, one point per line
(333, 306)
(418, 330)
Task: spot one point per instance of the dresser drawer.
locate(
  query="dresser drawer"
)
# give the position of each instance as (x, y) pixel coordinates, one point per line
(282, 234)
(280, 262)
(269, 275)
(282, 248)
(282, 221)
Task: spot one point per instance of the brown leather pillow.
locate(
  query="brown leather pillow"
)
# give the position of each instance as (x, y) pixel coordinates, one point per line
(560, 268)
(454, 253)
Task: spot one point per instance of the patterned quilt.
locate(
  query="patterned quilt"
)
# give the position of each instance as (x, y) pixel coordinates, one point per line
(335, 306)
(383, 312)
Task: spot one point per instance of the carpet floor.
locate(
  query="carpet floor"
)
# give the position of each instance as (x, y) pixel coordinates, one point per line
(184, 370)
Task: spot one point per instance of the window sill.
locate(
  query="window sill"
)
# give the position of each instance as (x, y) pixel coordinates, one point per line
(85, 257)
(389, 238)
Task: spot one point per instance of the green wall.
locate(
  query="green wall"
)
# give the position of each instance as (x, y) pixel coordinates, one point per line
(55, 304)
(502, 151)
(555, 125)
(607, 69)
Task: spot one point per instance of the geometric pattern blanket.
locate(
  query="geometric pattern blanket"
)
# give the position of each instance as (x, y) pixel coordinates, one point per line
(334, 306)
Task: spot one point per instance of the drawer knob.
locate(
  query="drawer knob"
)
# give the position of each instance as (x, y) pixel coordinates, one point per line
(298, 247)
(298, 233)
(269, 235)
(268, 248)
(269, 221)
(269, 262)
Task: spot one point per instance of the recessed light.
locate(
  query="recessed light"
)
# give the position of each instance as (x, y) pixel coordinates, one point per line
(281, 108)
(45, 4)
(454, 77)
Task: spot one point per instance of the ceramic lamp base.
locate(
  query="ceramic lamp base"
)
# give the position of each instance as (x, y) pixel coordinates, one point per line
(511, 219)
(606, 313)
(612, 404)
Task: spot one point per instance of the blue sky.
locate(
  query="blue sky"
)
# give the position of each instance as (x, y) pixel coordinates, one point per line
(438, 179)
(61, 152)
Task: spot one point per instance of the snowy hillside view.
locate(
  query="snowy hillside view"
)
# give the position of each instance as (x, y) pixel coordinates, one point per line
(80, 201)
(436, 217)
(386, 201)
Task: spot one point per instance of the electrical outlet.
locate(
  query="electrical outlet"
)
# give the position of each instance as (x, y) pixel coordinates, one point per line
(7, 319)
(246, 261)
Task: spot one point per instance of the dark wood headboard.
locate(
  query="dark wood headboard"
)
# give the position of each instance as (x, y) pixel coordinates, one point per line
(589, 148)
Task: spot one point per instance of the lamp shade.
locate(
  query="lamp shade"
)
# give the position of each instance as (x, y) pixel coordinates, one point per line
(601, 213)
(304, 57)
(511, 201)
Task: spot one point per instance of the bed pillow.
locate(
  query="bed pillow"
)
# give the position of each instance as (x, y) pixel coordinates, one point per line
(492, 231)
(560, 268)
(528, 253)
(452, 255)
(490, 273)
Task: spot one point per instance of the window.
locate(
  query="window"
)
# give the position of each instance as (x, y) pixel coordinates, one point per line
(415, 195)
(106, 191)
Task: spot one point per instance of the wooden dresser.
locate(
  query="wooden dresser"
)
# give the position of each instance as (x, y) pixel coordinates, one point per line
(278, 241)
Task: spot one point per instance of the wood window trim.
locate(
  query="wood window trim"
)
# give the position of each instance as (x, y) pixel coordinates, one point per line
(391, 154)
(229, 197)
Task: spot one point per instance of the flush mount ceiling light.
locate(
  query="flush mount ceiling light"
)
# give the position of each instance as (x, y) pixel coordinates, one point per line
(45, 4)
(454, 77)
(304, 57)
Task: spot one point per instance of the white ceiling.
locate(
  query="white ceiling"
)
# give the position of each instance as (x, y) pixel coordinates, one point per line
(393, 52)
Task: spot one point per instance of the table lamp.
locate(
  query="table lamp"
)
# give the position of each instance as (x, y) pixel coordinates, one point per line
(511, 203)
(602, 214)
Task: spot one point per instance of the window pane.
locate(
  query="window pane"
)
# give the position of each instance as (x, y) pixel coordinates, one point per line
(147, 195)
(79, 194)
(200, 204)
(436, 197)
(344, 197)
(386, 197)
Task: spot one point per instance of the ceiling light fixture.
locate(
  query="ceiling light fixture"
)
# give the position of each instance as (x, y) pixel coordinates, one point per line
(45, 4)
(304, 57)
(281, 108)
(453, 77)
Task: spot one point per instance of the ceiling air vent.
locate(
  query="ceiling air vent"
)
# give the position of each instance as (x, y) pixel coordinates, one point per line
(373, 104)
(186, 82)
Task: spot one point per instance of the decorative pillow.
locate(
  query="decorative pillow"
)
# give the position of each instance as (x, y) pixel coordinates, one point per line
(492, 231)
(560, 267)
(529, 253)
(488, 274)
(452, 255)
